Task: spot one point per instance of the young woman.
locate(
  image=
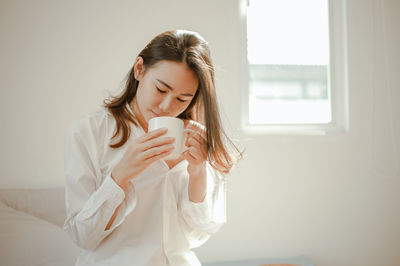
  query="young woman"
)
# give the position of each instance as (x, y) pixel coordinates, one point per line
(127, 204)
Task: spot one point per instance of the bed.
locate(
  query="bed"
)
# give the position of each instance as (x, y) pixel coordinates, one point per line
(31, 232)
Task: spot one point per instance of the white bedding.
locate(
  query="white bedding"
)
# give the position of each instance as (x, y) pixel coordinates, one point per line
(31, 232)
(29, 240)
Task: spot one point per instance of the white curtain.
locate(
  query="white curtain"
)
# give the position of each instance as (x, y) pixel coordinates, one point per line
(384, 138)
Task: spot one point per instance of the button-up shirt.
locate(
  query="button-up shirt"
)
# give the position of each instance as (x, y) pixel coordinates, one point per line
(156, 223)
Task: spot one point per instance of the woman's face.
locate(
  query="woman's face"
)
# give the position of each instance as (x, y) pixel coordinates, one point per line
(165, 89)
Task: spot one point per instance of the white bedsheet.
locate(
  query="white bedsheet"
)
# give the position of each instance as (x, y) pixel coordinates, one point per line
(29, 240)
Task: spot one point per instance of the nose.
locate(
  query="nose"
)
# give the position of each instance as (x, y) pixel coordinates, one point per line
(166, 105)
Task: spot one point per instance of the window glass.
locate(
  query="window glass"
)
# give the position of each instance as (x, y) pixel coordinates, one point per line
(288, 57)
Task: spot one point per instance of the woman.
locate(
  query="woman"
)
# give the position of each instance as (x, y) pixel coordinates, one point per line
(127, 204)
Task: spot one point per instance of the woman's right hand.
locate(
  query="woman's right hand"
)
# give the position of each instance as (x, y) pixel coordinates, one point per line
(142, 152)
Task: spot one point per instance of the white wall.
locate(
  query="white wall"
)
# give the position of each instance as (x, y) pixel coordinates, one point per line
(334, 198)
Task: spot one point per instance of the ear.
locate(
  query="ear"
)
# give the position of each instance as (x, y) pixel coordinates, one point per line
(138, 68)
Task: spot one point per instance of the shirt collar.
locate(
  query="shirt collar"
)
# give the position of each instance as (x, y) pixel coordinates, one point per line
(137, 130)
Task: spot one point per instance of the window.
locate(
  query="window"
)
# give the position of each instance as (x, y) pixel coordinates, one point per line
(293, 50)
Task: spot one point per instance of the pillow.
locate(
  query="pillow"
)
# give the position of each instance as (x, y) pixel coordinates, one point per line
(27, 240)
(44, 203)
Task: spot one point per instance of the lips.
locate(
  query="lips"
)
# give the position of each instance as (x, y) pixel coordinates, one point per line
(155, 114)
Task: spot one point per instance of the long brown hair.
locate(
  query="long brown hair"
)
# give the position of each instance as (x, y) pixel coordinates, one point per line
(190, 48)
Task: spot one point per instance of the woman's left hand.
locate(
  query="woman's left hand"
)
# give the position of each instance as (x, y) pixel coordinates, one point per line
(196, 153)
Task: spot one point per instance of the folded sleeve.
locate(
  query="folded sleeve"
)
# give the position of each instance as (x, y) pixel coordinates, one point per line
(91, 199)
(202, 219)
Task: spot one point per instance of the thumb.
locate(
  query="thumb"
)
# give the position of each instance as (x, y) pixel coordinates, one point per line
(187, 156)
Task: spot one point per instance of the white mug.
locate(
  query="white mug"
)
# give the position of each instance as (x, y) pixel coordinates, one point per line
(175, 130)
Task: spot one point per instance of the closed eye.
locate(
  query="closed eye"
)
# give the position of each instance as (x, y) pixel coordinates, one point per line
(164, 91)
(181, 100)
(160, 91)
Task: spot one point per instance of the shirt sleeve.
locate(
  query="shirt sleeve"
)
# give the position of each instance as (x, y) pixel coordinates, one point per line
(91, 200)
(205, 218)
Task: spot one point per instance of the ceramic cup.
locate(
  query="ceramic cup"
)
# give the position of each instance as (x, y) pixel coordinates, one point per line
(175, 129)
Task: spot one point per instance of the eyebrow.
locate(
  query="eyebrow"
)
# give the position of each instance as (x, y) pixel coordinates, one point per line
(169, 87)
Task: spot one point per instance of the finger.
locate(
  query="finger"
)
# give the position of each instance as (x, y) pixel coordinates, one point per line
(196, 127)
(156, 142)
(191, 142)
(151, 135)
(157, 157)
(197, 143)
(189, 157)
(156, 151)
(195, 137)
(195, 154)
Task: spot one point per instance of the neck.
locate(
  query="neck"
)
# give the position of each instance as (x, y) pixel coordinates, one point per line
(138, 115)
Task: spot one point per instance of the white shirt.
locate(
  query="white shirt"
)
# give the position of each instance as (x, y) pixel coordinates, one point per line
(156, 223)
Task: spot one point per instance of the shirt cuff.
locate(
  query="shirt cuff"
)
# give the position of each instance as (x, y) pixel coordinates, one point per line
(127, 205)
(108, 194)
(198, 212)
(208, 215)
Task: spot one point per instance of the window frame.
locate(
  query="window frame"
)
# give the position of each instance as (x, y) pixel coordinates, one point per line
(337, 79)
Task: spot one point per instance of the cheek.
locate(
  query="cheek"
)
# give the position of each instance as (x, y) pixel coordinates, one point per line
(181, 108)
(145, 96)
(141, 100)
